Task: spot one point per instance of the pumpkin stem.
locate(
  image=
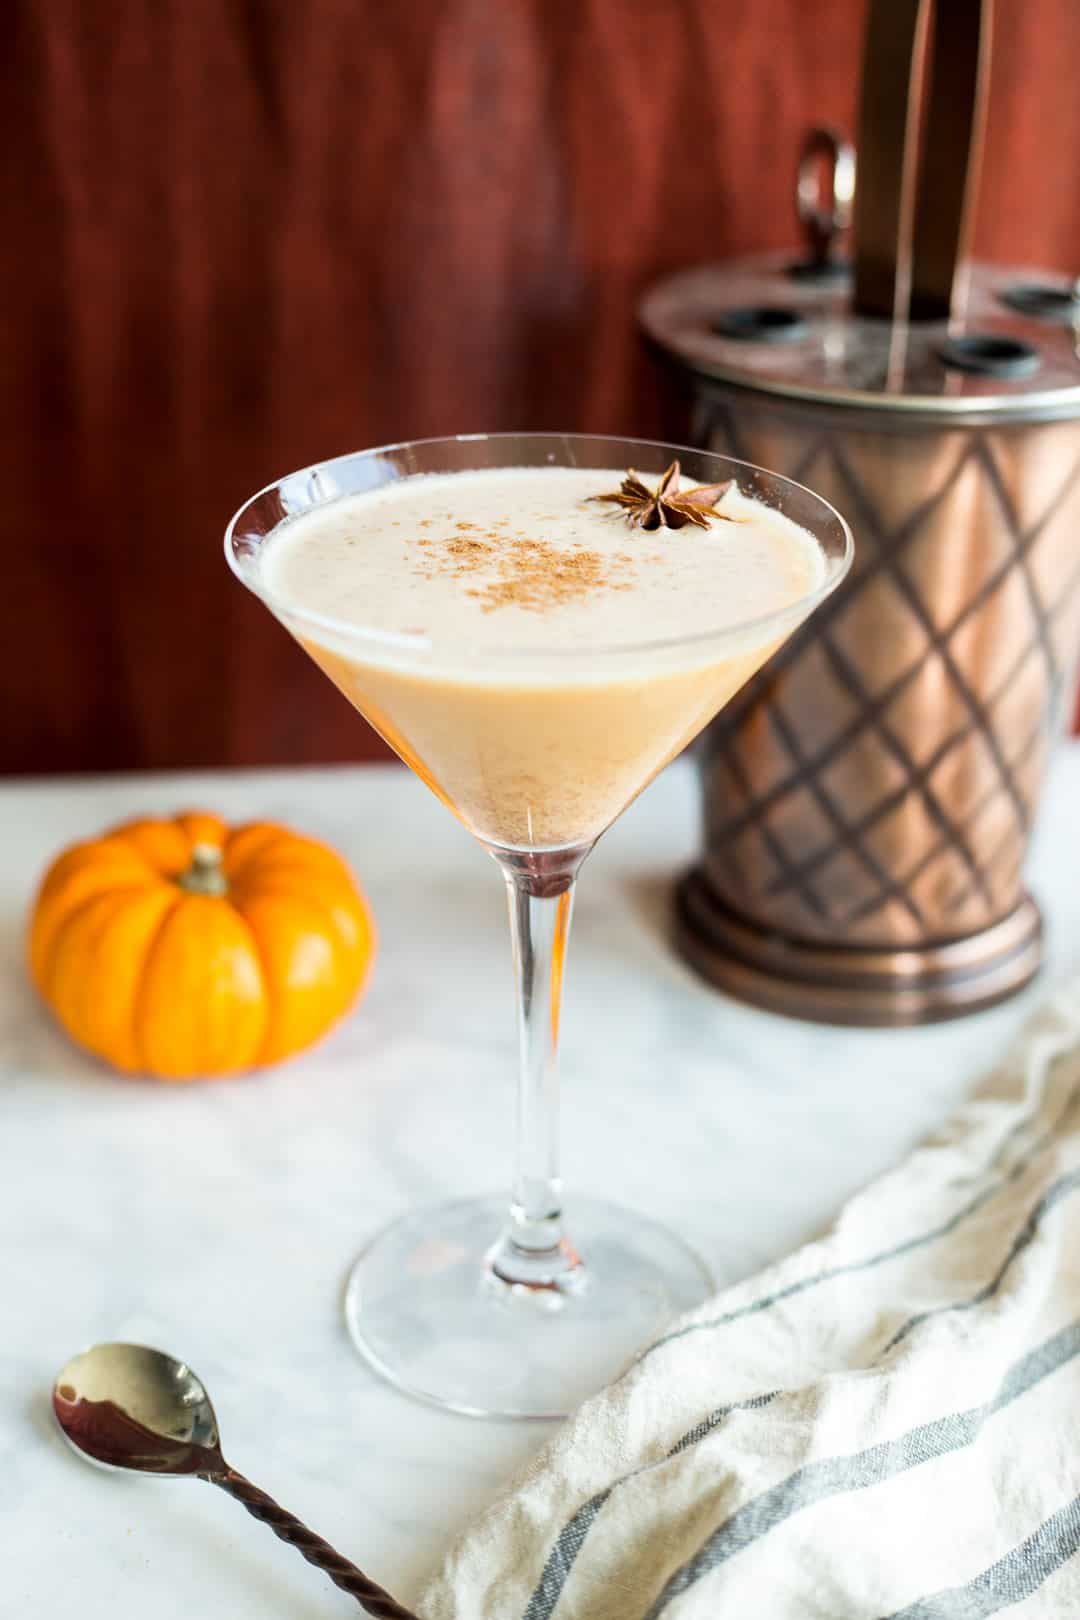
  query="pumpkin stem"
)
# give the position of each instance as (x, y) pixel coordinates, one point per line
(204, 875)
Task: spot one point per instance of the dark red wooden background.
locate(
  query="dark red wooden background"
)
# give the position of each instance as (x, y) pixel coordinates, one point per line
(239, 235)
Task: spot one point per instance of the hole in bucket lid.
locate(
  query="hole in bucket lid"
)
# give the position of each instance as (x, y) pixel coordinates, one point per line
(820, 272)
(990, 355)
(761, 323)
(1045, 302)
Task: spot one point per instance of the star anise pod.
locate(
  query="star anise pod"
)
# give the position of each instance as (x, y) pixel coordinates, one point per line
(664, 507)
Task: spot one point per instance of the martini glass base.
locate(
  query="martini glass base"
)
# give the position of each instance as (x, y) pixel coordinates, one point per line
(425, 1307)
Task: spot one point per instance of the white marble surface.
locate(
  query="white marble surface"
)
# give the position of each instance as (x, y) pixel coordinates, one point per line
(219, 1220)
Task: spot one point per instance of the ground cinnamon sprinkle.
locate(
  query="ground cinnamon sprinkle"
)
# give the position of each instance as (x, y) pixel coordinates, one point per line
(531, 574)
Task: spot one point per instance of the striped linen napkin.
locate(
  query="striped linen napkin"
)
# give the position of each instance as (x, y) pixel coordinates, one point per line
(884, 1426)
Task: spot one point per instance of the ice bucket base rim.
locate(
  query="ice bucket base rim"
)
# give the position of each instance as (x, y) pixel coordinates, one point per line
(865, 985)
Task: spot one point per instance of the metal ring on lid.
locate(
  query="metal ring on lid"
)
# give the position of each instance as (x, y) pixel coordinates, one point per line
(990, 355)
(824, 209)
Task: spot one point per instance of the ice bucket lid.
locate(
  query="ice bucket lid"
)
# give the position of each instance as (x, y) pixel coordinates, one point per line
(751, 323)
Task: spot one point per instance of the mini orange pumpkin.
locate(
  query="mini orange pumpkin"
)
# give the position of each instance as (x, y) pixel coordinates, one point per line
(182, 947)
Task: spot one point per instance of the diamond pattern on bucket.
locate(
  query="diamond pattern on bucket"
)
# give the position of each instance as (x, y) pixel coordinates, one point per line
(876, 783)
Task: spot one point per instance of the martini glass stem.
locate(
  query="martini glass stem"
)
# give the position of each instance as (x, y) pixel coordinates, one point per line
(533, 1252)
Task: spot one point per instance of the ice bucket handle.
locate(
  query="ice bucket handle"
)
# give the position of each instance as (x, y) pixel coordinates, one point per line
(824, 193)
(920, 135)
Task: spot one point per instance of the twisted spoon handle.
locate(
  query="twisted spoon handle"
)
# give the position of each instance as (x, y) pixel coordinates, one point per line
(310, 1546)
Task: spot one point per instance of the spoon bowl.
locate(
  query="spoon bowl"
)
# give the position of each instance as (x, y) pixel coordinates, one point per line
(127, 1406)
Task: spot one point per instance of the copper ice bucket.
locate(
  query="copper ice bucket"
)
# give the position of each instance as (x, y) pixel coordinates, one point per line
(870, 795)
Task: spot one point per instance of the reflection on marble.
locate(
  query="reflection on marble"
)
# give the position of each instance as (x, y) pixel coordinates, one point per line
(219, 1220)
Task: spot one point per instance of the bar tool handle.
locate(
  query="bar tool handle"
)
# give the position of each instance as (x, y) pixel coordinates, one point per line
(921, 120)
(341, 1571)
(952, 147)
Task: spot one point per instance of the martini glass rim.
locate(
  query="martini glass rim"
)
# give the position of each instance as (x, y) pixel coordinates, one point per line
(424, 648)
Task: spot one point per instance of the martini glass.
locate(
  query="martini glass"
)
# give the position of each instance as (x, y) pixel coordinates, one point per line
(489, 1307)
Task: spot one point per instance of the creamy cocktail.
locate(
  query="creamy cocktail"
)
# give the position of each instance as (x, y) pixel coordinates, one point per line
(537, 631)
(513, 578)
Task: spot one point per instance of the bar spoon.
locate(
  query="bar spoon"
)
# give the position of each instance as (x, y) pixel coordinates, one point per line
(126, 1406)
